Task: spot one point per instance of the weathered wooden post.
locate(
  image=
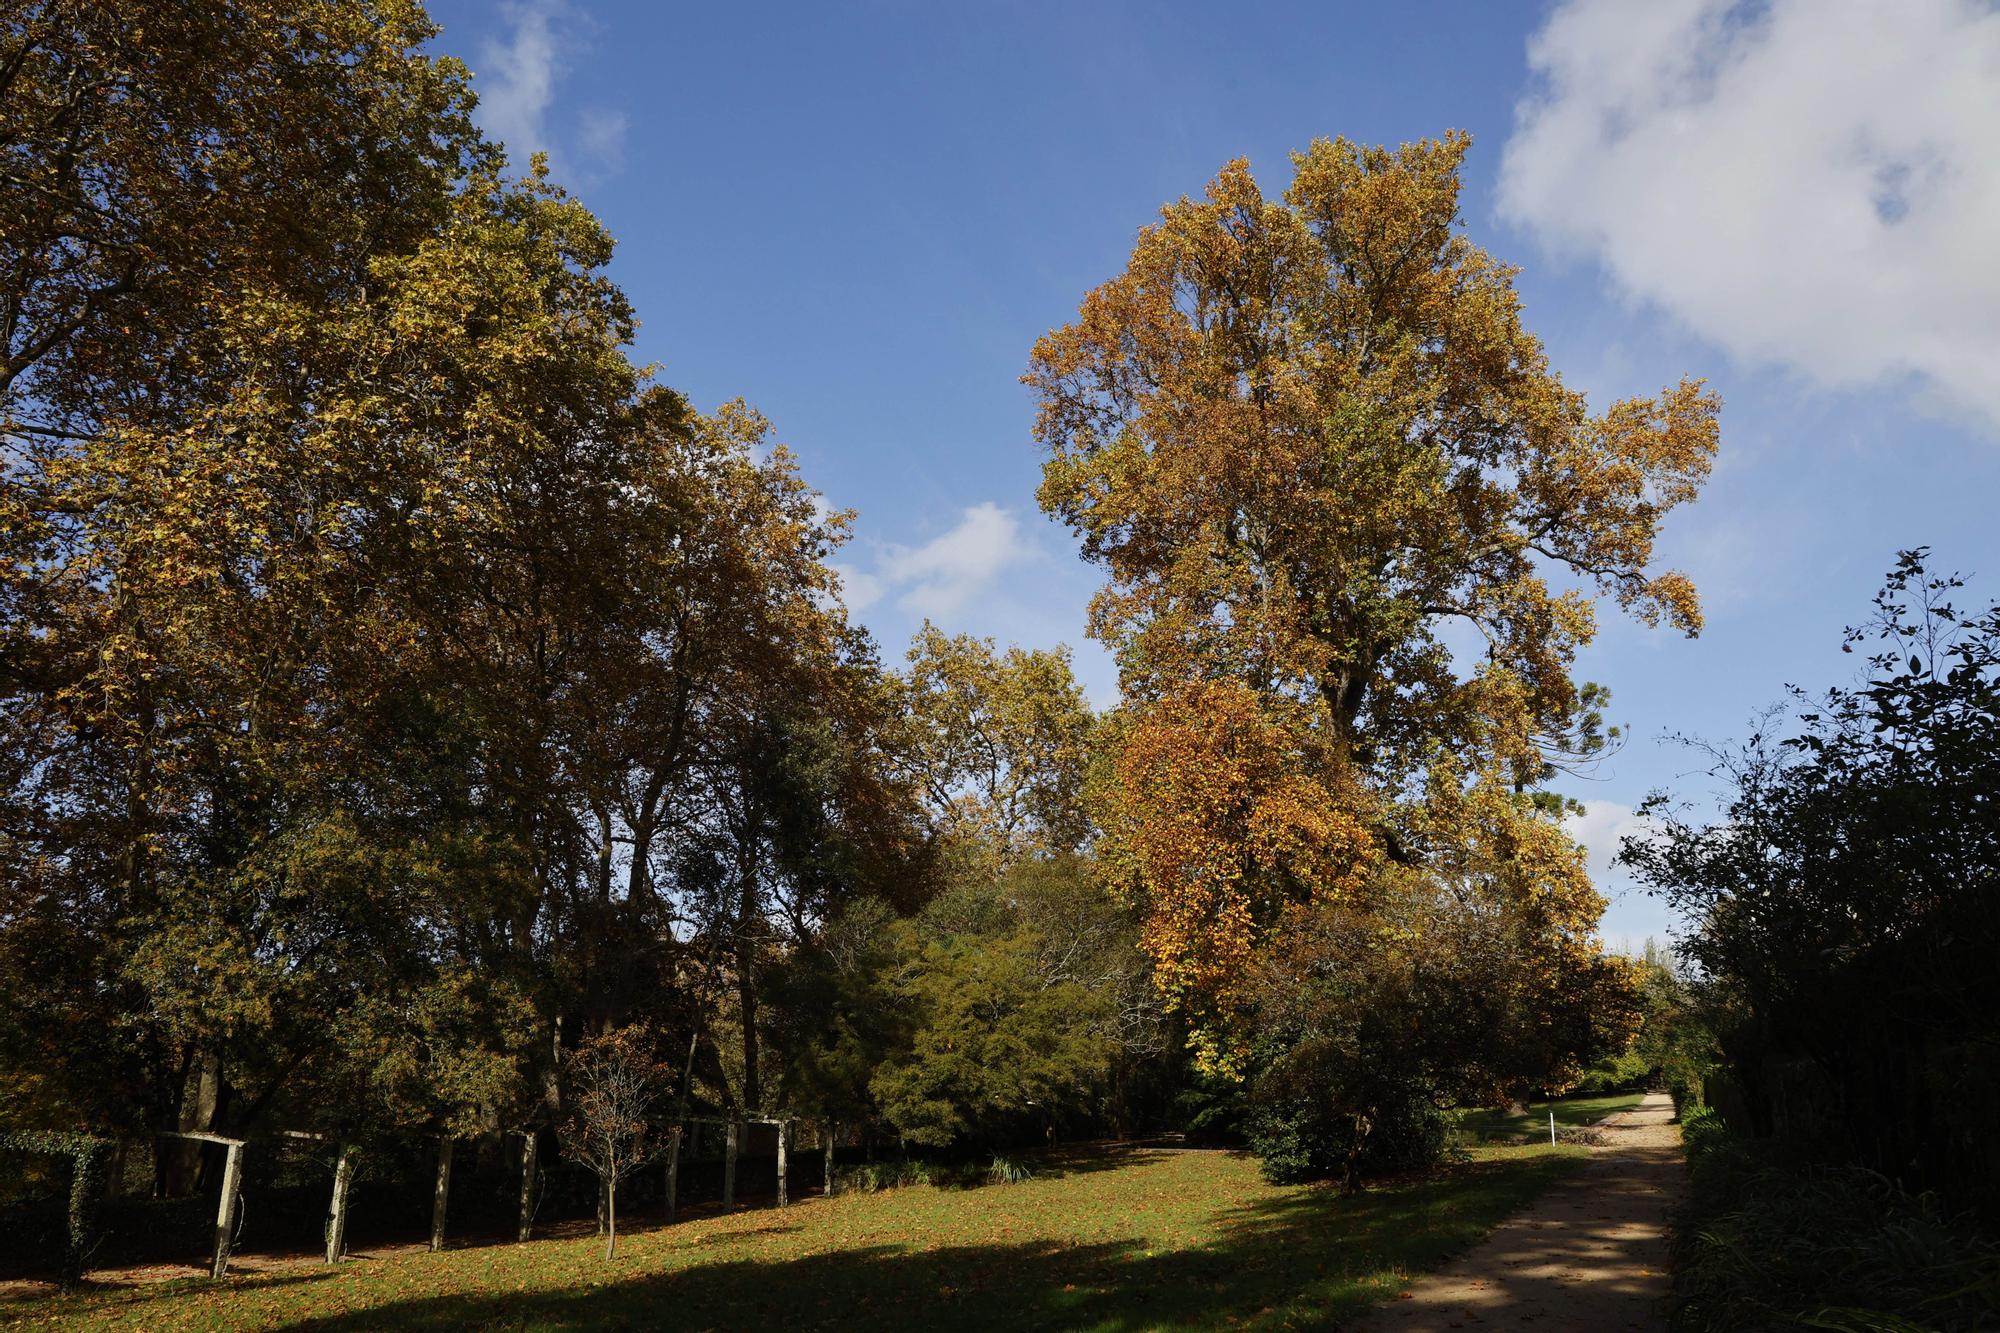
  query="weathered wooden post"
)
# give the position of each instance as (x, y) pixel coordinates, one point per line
(226, 1211)
(729, 1165)
(784, 1132)
(530, 1143)
(832, 1134)
(673, 1172)
(336, 1207)
(441, 1193)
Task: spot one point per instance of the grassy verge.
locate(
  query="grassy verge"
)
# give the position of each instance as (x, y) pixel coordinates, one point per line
(1122, 1240)
(1767, 1244)
(1570, 1112)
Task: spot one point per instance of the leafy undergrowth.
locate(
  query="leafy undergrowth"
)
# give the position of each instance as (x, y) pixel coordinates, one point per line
(1571, 1113)
(1763, 1243)
(1117, 1239)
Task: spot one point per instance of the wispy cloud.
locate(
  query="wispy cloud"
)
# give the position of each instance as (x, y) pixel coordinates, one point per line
(941, 577)
(516, 76)
(1602, 829)
(1808, 183)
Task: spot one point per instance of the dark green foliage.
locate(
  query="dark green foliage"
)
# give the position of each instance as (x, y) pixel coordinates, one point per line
(1847, 909)
(1006, 1011)
(1767, 1243)
(87, 1156)
(1371, 1019)
(1300, 1137)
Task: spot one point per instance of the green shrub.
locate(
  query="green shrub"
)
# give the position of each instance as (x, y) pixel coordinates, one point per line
(871, 1177)
(1303, 1138)
(1771, 1245)
(1008, 1171)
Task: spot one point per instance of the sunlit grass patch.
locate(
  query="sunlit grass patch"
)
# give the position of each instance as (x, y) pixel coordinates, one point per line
(1125, 1239)
(1570, 1112)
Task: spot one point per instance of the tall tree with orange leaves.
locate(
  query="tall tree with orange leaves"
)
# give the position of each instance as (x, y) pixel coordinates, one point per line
(1314, 446)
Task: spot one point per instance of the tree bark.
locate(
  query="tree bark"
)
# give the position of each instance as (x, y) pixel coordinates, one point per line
(746, 984)
(832, 1134)
(441, 1194)
(673, 1171)
(729, 1165)
(611, 1216)
(530, 1151)
(201, 1097)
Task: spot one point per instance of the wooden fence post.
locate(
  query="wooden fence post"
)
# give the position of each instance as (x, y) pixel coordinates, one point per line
(226, 1211)
(530, 1145)
(336, 1208)
(673, 1172)
(729, 1165)
(784, 1132)
(441, 1194)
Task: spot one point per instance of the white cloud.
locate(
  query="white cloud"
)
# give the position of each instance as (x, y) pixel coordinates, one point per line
(943, 576)
(1602, 829)
(859, 589)
(1809, 183)
(516, 78)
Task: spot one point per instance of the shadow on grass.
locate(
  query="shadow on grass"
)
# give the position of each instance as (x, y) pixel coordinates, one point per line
(1084, 1159)
(1307, 1259)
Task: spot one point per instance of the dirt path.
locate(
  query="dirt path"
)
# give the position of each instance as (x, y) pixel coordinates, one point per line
(1591, 1254)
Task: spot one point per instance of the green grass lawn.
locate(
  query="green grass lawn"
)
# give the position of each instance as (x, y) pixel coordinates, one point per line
(1503, 1127)
(1120, 1239)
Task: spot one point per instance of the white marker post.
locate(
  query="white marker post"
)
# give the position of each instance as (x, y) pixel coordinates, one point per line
(1552, 1129)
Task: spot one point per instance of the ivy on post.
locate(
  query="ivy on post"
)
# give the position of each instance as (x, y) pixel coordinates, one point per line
(87, 1155)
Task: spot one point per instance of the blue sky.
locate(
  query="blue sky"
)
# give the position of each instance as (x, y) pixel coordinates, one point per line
(859, 217)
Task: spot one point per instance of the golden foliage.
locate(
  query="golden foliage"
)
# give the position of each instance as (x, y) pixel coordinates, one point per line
(1305, 437)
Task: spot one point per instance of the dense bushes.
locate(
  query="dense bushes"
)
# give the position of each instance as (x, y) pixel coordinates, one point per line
(1300, 1137)
(1847, 908)
(1371, 1016)
(1769, 1242)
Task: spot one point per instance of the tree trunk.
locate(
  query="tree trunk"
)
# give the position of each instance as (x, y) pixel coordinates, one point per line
(441, 1194)
(832, 1134)
(746, 988)
(610, 1216)
(530, 1146)
(673, 1171)
(201, 1097)
(729, 1165)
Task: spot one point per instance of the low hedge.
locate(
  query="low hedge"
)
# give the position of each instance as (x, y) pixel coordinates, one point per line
(1764, 1242)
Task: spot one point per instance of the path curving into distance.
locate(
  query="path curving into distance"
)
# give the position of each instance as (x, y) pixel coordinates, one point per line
(1590, 1255)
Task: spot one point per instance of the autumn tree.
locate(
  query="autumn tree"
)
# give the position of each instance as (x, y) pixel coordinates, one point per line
(615, 1081)
(998, 744)
(1314, 447)
(178, 564)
